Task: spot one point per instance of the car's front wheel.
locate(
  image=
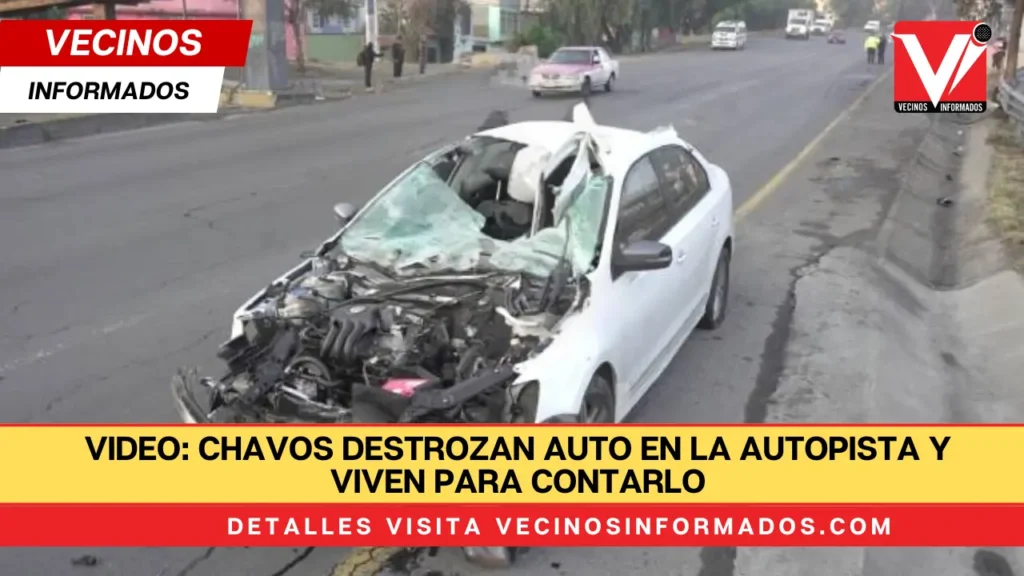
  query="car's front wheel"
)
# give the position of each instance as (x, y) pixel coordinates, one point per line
(718, 300)
(536, 93)
(598, 402)
(586, 87)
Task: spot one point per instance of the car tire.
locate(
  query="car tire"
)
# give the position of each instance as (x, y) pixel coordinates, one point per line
(586, 88)
(598, 402)
(609, 85)
(718, 300)
(536, 93)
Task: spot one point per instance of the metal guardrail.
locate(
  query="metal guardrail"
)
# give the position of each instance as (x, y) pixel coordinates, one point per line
(1011, 98)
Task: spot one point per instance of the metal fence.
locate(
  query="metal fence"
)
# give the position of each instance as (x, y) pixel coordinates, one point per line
(1011, 98)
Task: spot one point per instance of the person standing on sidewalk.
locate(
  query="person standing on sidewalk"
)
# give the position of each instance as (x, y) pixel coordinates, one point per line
(423, 54)
(398, 56)
(366, 59)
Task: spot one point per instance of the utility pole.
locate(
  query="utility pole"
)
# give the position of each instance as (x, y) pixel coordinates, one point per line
(266, 67)
(370, 14)
(1013, 45)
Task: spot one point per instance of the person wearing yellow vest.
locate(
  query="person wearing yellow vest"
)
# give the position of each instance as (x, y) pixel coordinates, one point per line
(871, 47)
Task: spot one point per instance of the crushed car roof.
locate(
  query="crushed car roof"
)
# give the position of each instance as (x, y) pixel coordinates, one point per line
(553, 134)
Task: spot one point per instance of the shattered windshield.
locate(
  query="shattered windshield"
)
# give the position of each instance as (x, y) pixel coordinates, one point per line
(422, 226)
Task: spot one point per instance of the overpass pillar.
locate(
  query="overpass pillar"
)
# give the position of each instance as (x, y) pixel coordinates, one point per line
(104, 12)
(266, 67)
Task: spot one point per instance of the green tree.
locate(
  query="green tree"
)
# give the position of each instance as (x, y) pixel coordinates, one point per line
(591, 21)
(545, 38)
(988, 10)
(1013, 42)
(852, 12)
(51, 13)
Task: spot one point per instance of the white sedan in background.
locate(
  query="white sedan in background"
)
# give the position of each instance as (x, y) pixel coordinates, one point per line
(729, 34)
(575, 69)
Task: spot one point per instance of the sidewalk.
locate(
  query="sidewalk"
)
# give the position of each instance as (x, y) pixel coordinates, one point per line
(908, 312)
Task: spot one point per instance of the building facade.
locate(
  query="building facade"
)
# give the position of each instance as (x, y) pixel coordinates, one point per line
(179, 10)
(493, 22)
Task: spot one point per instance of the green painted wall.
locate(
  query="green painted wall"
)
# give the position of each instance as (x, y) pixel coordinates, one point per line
(333, 47)
(494, 23)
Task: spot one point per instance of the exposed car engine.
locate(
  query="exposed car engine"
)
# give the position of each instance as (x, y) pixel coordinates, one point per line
(347, 342)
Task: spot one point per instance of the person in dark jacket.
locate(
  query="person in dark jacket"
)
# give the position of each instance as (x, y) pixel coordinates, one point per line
(366, 59)
(398, 56)
(423, 54)
(883, 41)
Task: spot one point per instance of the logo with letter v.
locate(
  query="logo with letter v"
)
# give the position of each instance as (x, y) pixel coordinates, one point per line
(941, 66)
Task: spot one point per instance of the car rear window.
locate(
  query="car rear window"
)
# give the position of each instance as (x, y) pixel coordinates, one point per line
(572, 57)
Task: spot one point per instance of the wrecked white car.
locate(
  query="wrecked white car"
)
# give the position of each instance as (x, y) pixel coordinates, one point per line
(533, 272)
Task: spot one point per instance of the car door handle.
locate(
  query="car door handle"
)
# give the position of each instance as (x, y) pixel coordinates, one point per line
(680, 257)
(714, 222)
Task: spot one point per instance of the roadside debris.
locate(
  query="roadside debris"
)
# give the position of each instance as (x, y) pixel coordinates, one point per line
(86, 560)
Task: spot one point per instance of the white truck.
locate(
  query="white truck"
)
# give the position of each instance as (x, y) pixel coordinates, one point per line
(822, 26)
(798, 23)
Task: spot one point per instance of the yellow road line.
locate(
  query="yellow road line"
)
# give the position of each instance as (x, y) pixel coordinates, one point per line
(369, 561)
(773, 184)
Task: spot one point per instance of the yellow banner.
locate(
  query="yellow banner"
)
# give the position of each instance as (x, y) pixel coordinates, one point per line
(508, 464)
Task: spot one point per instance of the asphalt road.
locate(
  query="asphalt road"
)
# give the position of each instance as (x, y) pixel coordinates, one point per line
(125, 255)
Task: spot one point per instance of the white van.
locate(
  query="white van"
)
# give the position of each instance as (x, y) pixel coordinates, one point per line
(730, 34)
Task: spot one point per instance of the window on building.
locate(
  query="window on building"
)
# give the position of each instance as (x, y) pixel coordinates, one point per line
(509, 23)
(313, 20)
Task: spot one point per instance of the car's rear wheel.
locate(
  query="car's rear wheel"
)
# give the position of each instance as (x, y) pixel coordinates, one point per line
(598, 402)
(610, 84)
(715, 310)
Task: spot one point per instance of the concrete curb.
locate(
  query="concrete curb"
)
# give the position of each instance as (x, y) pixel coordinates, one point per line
(36, 133)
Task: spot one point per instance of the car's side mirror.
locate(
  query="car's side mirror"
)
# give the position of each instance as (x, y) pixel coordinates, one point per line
(642, 255)
(344, 212)
(596, 60)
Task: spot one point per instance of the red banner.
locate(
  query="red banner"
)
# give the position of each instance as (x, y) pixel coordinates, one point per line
(530, 525)
(147, 43)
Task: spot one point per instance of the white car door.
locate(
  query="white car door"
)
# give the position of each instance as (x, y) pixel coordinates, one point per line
(606, 63)
(600, 77)
(692, 236)
(637, 300)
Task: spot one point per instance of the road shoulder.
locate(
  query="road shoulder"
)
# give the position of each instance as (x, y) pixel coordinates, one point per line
(906, 312)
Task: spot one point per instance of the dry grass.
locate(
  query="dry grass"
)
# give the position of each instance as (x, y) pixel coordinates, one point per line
(1006, 188)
